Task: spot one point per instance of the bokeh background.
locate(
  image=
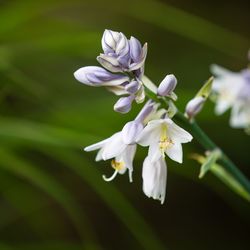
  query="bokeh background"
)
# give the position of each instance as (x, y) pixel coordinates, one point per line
(52, 195)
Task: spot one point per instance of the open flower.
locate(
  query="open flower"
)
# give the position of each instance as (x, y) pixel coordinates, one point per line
(232, 90)
(114, 148)
(154, 176)
(163, 136)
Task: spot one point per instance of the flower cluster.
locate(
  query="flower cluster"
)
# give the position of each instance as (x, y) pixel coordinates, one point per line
(232, 90)
(123, 74)
(123, 67)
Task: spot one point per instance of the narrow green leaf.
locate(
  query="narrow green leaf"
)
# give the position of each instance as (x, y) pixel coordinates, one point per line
(206, 88)
(209, 162)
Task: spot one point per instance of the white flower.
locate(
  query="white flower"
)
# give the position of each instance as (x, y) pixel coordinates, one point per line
(233, 91)
(155, 178)
(122, 154)
(163, 136)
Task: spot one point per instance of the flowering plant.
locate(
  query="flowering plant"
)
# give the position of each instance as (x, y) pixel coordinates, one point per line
(157, 126)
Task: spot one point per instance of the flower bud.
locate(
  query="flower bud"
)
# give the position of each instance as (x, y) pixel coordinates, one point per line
(122, 46)
(148, 108)
(130, 131)
(194, 106)
(132, 87)
(97, 76)
(135, 49)
(123, 105)
(167, 85)
(140, 60)
(109, 41)
(109, 62)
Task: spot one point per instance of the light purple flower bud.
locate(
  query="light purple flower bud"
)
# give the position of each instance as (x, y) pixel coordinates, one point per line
(148, 108)
(135, 49)
(130, 131)
(167, 85)
(132, 87)
(124, 61)
(140, 63)
(97, 76)
(123, 105)
(109, 41)
(109, 62)
(194, 106)
(122, 47)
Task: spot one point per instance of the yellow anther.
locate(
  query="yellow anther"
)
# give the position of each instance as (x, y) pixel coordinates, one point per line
(164, 142)
(117, 165)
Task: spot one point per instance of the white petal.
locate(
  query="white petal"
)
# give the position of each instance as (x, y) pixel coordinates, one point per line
(114, 147)
(219, 71)
(117, 90)
(96, 146)
(154, 152)
(222, 106)
(175, 152)
(240, 115)
(128, 155)
(130, 131)
(99, 155)
(178, 134)
(155, 178)
(150, 133)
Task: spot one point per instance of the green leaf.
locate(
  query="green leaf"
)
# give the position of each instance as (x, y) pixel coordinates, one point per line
(209, 162)
(206, 88)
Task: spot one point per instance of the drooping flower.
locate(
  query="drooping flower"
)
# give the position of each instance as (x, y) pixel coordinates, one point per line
(232, 90)
(154, 176)
(163, 136)
(121, 146)
(114, 148)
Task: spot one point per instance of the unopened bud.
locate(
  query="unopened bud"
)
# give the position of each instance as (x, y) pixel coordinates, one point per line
(135, 49)
(123, 105)
(97, 76)
(132, 87)
(194, 106)
(109, 41)
(167, 86)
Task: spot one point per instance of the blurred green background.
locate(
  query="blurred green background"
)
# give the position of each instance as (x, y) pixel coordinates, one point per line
(52, 195)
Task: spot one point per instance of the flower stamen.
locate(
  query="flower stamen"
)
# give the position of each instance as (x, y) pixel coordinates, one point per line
(164, 142)
(117, 165)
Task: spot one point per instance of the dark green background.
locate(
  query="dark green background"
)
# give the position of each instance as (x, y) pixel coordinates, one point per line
(52, 195)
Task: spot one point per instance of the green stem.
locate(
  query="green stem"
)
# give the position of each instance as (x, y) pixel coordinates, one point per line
(204, 140)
